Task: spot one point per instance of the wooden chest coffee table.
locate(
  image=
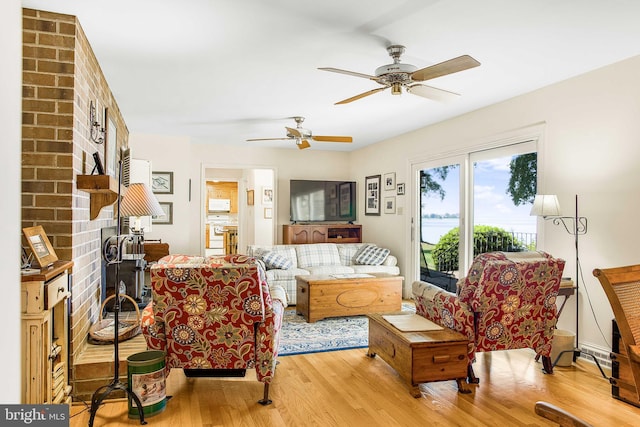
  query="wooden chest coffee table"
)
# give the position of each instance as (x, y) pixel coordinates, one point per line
(420, 357)
(330, 296)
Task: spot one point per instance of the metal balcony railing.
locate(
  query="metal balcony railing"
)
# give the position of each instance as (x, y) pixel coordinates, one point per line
(489, 242)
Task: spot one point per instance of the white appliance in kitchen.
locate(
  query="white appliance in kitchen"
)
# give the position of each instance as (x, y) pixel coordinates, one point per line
(217, 222)
(219, 205)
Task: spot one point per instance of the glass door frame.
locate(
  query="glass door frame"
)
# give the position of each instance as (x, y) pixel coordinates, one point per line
(534, 134)
(482, 155)
(416, 232)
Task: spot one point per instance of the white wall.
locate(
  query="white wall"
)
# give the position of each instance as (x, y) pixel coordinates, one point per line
(590, 147)
(264, 232)
(171, 154)
(10, 120)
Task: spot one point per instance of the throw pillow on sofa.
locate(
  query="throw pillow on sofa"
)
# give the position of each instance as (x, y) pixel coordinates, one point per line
(274, 260)
(349, 251)
(371, 255)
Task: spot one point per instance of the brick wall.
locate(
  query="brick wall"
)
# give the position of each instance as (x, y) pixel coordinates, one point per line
(61, 77)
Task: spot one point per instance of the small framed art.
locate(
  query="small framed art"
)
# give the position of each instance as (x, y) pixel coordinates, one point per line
(40, 246)
(390, 181)
(390, 205)
(268, 213)
(167, 218)
(267, 195)
(400, 189)
(372, 195)
(162, 182)
(250, 198)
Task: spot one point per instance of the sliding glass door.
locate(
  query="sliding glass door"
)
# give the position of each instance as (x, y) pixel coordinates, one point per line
(440, 220)
(474, 203)
(503, 183)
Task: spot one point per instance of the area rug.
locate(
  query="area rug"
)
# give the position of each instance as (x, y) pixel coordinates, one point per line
(331, 334)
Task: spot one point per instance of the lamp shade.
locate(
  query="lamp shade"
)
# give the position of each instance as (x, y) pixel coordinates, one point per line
(545, 205)
(139, 201)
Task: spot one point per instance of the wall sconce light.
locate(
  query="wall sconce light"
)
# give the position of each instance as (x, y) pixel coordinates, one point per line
(97, 130)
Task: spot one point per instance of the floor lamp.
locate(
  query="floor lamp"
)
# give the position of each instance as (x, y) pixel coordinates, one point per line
(547, 206)
(138, 200)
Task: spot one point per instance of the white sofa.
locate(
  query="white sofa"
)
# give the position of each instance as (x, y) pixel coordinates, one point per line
(285, 262)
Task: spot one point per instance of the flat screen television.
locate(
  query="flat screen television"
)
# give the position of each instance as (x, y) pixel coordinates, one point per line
(316, 201)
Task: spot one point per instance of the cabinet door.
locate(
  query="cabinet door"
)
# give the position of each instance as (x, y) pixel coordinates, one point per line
(318, 234)
(299, 235)
(233, 197)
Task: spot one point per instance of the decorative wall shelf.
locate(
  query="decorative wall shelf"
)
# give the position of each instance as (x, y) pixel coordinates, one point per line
(103, 191)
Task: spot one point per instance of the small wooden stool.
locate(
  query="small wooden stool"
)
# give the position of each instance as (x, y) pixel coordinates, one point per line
(420, 357)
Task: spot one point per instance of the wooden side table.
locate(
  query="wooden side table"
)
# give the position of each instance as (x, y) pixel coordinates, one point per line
(420, 357)
(45, 342)
(567, 288)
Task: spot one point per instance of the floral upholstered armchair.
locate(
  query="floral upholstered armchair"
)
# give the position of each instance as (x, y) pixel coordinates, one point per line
(507, 301)
(214, 316)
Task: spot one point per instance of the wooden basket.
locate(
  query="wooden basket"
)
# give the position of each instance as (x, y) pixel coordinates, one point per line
(102, 332)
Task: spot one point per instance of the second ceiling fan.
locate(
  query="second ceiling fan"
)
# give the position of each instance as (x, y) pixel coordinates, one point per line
(301, 136)
(397, 75)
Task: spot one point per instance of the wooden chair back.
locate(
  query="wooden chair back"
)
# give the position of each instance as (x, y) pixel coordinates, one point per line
(622, 287)
(560, 416)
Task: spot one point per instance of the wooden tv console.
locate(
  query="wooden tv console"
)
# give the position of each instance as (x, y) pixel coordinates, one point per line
(297, 234)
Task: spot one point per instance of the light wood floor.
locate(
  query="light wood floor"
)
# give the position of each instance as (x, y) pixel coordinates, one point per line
(346, 388)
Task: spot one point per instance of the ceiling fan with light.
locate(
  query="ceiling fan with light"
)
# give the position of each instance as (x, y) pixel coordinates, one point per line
(399, 75)
(302, 136)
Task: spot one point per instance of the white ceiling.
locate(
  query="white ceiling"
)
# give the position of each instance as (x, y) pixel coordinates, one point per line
(223, 71)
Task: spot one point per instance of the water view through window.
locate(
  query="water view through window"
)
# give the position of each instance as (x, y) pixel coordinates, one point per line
(499, 201)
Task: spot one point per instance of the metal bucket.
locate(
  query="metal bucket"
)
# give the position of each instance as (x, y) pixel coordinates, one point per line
(145, 373)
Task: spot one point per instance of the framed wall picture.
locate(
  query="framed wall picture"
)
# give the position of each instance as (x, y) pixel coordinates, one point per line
(400, 189)
(390, 181)
(372, 195)
(267, 195)
(250, 198)
(268, 213)
(162, 182)
(40, 246)
(390, 205)
(167, 218)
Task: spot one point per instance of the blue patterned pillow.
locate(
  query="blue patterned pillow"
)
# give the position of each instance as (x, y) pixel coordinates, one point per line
(276, 261)
(371, 255)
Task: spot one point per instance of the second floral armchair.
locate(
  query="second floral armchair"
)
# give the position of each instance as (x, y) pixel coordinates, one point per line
(507, 301)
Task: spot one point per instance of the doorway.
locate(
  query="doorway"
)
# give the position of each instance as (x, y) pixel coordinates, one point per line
(221, 228)
(235, 211)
